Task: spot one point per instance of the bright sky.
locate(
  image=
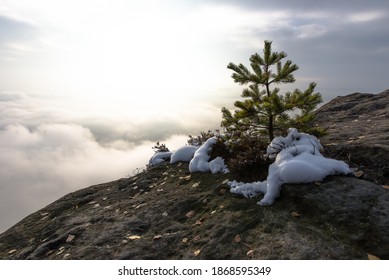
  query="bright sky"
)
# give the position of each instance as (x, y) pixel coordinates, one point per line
(90, 83)
(116, 56)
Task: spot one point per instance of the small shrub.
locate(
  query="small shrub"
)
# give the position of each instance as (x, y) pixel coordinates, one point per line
(160, 147)
(220, 150)
(248, 161)
(204, 136)
(242, 151)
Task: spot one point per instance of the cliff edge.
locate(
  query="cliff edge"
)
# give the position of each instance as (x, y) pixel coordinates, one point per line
(166, 212)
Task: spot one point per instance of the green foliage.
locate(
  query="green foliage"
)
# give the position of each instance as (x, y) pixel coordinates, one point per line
(264, 109)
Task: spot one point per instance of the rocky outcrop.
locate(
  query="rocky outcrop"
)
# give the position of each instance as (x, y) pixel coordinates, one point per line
(356, 119)
(358, 132)
(167, 213)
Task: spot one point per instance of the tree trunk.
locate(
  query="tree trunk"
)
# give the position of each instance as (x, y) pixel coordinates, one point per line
(271, 118)
(271, 128)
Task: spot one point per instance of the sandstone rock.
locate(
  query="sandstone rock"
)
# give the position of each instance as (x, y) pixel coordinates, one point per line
(342, 218)
(357, 119)
(358, 132)
(353, 209)
(339, 218)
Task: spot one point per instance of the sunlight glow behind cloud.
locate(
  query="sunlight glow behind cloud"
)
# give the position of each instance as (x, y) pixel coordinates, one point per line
(103, 49)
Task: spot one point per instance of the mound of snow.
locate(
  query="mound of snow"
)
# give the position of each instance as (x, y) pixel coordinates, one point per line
(217, 165)
(197, 157)
(159, 157)
(298, 160)
(199, 162)
(294, 139)
(183, 154)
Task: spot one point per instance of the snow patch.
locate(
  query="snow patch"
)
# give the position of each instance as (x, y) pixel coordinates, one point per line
(159, 157)
(298, 160)
(200, 163)
(217, 165)
(198, 158)
(183, 154)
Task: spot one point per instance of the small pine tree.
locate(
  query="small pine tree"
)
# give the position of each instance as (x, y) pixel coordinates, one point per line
(266, 110)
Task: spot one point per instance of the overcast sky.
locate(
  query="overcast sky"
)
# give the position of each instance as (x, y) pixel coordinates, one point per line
(87, 87)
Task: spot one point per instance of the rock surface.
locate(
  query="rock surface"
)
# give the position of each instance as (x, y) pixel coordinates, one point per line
(358, 132)
(356, 119)
(167, 213)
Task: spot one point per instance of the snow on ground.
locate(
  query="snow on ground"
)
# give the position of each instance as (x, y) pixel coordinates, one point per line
(198, 158)
(200, 163)
(298, 160)
(183, 154)
(217, 165)
(159, 157)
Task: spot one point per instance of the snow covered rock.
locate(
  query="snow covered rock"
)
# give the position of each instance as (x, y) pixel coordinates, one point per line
(293, 139)
(298, 160)
(217, 165)
(183, 154)
(200, 161)
(159, 157)
(198, 158)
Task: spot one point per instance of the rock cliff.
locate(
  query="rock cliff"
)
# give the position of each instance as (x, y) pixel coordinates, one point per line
(358, 132)
(167, 213)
